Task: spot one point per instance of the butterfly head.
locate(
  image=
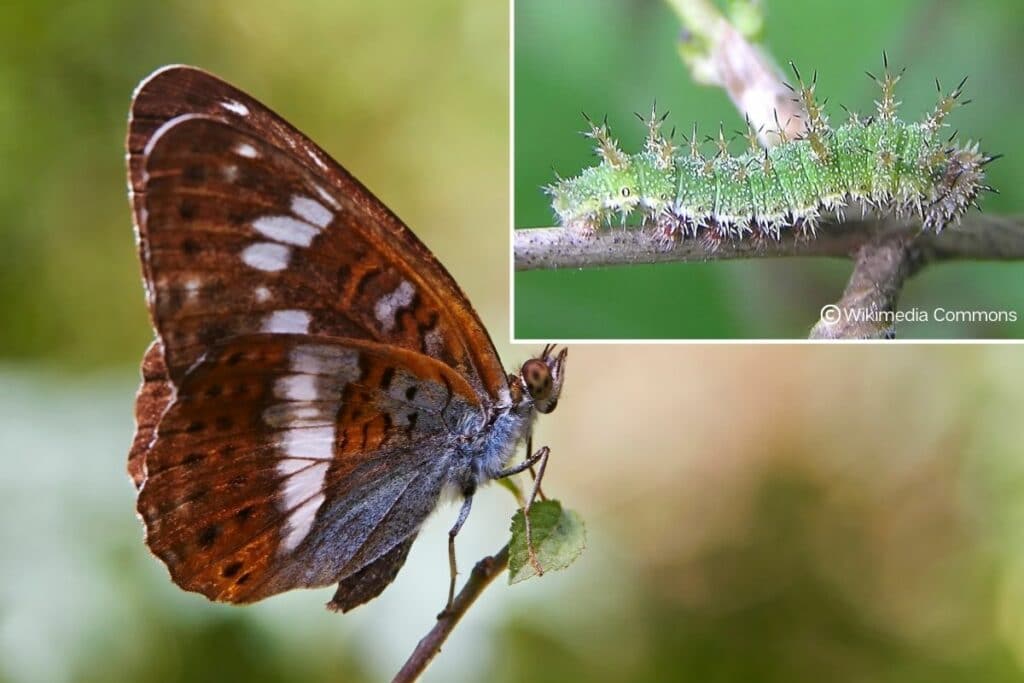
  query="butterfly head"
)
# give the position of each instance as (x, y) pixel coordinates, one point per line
(540, 379)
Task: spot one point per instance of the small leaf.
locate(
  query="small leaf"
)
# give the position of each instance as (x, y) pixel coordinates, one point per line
(559, 537)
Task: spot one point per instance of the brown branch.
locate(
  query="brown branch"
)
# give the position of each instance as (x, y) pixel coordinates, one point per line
(483, 573)
(978, 237)
(868, 306)
(867, 309)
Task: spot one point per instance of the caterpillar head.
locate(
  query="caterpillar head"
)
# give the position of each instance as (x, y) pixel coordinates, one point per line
(594, 195)
(619, 190)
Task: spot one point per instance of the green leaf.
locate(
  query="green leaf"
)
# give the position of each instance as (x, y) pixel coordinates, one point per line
(559, 537)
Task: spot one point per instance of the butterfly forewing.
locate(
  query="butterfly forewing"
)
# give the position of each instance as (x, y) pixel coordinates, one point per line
(246, 225)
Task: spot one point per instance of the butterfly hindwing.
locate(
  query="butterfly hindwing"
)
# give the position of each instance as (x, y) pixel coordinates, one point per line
(286, 461)
(152, 400)
(369, 581)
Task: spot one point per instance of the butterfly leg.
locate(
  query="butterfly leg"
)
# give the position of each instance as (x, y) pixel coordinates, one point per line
(524, 465)
(467, 504)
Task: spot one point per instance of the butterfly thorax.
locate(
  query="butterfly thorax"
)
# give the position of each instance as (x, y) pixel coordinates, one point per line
(534, 389)
(495, 444)
(487, 445)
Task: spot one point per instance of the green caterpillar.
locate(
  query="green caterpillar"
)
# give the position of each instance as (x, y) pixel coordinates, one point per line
(888, 165)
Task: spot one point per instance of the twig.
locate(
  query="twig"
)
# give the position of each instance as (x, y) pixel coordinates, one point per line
(483, 573)
(867, 309)
(978, 237)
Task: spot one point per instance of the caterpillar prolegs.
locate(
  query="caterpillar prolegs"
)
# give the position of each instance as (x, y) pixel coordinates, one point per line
(883, 164)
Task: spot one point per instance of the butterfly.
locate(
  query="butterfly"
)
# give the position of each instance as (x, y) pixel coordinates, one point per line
(317, 379)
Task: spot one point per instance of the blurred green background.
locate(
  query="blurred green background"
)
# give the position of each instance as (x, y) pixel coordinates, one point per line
(616, 57)
(755, 513)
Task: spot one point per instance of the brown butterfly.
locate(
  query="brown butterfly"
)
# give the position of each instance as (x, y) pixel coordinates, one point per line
(317, 378)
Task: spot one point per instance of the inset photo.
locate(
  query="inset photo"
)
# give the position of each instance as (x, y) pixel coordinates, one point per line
(690, 169)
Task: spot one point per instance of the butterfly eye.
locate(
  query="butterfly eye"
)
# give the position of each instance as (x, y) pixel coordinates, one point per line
(537, 377)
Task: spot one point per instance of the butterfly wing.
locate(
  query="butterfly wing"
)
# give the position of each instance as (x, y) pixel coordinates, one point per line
(253, 240)
(154, 396)
(287, 461)
(369, 581)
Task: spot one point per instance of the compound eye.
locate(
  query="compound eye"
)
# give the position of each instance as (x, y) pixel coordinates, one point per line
(537, 377)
